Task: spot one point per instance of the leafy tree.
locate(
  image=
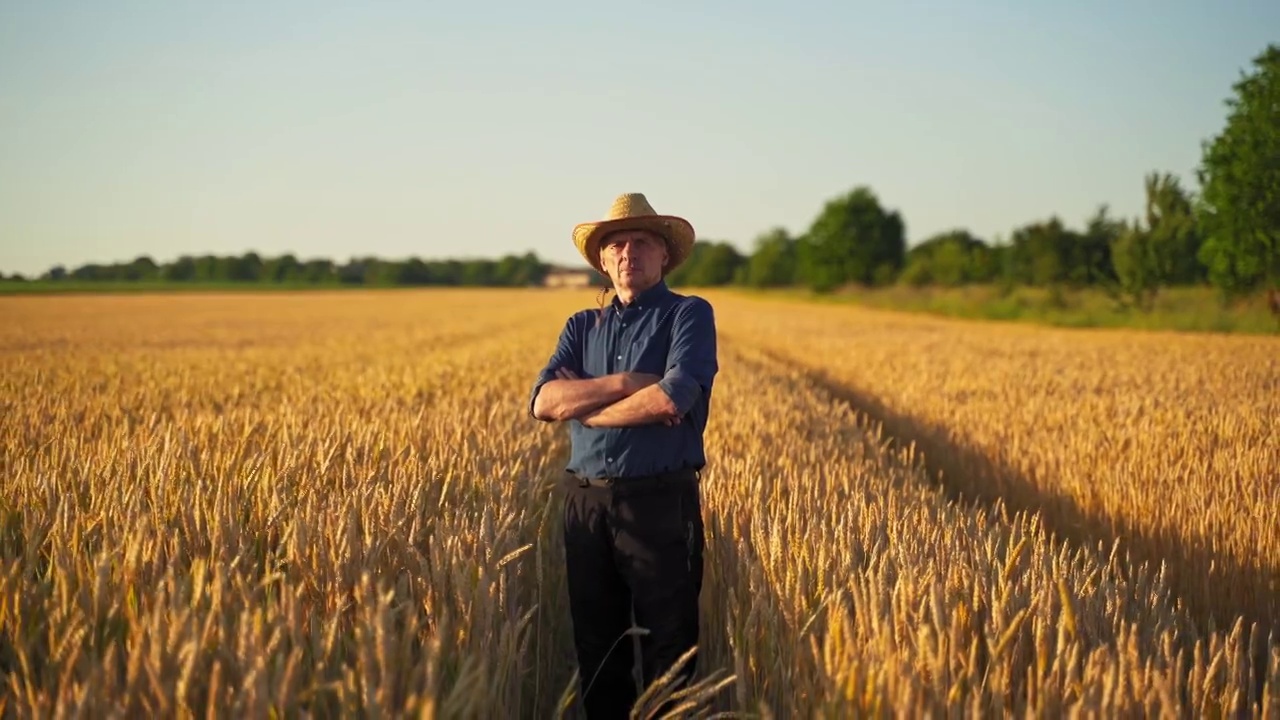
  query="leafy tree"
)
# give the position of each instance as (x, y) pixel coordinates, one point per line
(950, 258)
(209, 268)
(719, 265)
(142, 268)
(853, 239)
(283, 269)
(1163, 252)
(413, 272)
(1240, 177)
(478, 272)
(91, 272)
(318, 271)
(1175, 233)
(247, 268)
(1089, 254)
(709, 264)
(773, 261)
(1134, 257)
(181, 270)
(522, 270)
(1040, 253)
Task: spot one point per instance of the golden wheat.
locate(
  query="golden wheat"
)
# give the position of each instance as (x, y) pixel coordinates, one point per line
(251, 503)
(852, 584)
(336, 503)
(1168, 442)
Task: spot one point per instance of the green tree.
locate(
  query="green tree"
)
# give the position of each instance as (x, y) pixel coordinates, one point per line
(181, 270)
(1137, 269)
(247, 268)
(1163, 252)
(1240, 177)
(1088, 256)
(519, 270)
(952, 258)
(709, 264)
(1040, 253)
(413, 272)
(318, 271)
(283, 269)
(719, 265)
(142, 268)
(853, 239)
(773, 260)
(1175, 234)
(478, 272)
(208, 268)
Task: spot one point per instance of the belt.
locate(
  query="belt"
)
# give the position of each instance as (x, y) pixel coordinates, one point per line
(673, 476)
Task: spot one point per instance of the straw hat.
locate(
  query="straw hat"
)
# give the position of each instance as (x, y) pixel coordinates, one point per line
(631, 211)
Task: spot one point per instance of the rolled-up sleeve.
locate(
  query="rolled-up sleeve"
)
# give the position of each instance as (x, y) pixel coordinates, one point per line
(565, 356)
(691, 361)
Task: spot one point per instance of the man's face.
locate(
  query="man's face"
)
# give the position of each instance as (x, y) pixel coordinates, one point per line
(633, 259)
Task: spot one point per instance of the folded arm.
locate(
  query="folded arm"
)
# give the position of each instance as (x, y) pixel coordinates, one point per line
(649, 405)
(554, 398)
(691, 370)
(560, 393)
(569, 397)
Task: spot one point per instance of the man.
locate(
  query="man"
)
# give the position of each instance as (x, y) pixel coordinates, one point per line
(633, 381)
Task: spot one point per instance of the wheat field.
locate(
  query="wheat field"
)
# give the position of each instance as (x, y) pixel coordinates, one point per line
(323, 504)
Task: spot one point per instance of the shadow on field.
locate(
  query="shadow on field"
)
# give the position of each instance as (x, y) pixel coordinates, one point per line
(968, 475)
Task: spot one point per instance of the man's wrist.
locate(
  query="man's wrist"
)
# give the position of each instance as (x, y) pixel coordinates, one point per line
(621, 387)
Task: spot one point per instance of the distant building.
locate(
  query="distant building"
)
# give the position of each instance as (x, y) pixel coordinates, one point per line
(562, 277)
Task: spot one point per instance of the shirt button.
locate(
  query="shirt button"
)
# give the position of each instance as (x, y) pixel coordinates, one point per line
(619, 357)
(608, 459)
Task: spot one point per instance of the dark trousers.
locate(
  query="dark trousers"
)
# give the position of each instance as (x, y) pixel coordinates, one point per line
(633, 546)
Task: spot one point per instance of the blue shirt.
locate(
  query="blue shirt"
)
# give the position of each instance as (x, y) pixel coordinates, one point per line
(660, 332)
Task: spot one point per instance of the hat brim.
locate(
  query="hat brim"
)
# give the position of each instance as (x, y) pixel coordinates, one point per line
(677, 231)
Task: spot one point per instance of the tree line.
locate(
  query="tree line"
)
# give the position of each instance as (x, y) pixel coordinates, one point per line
(1227, 236)
(288, 269)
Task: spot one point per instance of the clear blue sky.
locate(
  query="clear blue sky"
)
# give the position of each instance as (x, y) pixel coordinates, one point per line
(421, 128)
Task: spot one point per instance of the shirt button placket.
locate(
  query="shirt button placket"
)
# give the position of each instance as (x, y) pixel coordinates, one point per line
(617, 340)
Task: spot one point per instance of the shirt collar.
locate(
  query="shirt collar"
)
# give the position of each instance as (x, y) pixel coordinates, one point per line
(645, 298)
